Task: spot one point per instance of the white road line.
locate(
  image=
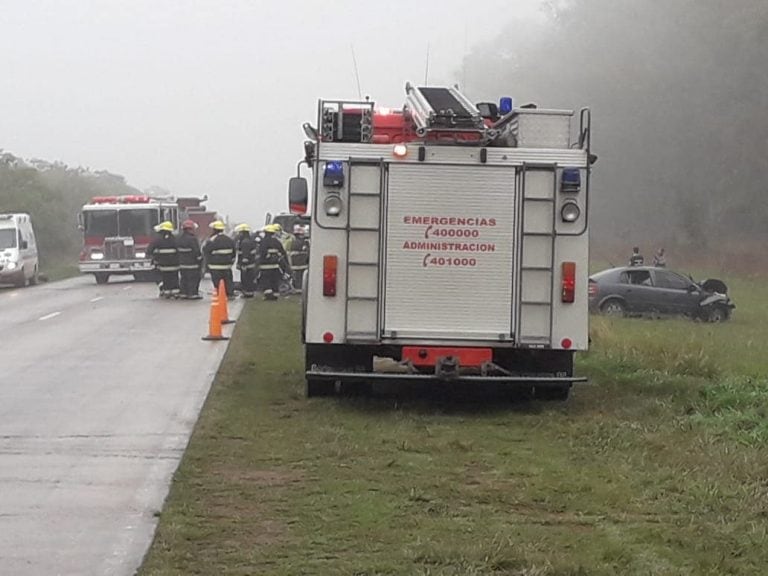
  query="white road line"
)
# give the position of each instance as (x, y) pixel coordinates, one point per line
(49, 316)
(97, 298)
(127, 287)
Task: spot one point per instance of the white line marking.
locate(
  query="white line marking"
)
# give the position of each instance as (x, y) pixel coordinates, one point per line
(97, 298)
(127, 287)
(49, 316)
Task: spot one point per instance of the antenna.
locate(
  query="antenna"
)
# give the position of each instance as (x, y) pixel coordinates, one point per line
(464, 59)
(357, 75)
(426, 67)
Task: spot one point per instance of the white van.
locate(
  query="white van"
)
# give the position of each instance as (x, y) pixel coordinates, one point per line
(18, 250)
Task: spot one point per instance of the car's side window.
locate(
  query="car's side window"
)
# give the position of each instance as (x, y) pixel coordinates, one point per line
(639, 277)
(671, 280)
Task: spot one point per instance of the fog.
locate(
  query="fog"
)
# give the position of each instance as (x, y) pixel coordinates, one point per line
(208, 97)
(679, 93)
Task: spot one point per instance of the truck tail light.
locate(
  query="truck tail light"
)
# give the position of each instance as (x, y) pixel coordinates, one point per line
(330, 269)
(569, 281)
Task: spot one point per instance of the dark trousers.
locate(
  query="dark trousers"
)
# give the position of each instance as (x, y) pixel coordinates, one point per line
(271, 278)
(190, 282)
(169, 281)
(247, 280)
(226, 275)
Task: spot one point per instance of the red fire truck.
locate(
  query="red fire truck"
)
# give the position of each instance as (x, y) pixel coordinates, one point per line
(118, 229)
(448, 237)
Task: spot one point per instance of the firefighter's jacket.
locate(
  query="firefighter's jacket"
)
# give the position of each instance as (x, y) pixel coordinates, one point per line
(220, 252)
(271, 252)
(164, 252)
(190, 256)
(247, 253)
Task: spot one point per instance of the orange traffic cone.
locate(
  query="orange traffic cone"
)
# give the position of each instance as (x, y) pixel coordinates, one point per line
(214, 323)
(223, 307)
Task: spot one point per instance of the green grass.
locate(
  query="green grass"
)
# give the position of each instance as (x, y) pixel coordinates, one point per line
(658, 466)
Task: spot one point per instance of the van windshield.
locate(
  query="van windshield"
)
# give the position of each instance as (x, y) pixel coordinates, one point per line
(7, 238)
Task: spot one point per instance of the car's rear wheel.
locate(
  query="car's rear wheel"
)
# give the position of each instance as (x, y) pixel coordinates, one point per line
(34, 280)
(613, 307)
(717, 314)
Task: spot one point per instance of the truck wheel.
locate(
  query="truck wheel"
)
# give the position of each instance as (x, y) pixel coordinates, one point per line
(552, 393)
(320, 387)
(101, 278)
(613, 307)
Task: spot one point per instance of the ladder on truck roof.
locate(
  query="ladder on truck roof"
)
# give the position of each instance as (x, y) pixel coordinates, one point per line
(442, 109)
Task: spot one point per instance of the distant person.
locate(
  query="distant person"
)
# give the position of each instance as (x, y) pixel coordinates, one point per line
(220, 256)
(659, 259)
(246, 259)
(164, 253)
(190, 261)
(636, 259)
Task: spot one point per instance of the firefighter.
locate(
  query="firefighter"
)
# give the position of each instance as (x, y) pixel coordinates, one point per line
(190, 261)
(246, 259)
(636, 259)
(299, 255)
(220, 255)
(271, 255)
(659, 259)
(164, 253)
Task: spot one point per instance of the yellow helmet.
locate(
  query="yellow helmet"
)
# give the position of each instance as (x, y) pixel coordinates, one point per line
(242, 228)
(278, 227)
(166, 226)
(271, 228)
(217, 225)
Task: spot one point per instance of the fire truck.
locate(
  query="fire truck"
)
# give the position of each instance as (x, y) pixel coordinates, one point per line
(118, 229)
(449, 240)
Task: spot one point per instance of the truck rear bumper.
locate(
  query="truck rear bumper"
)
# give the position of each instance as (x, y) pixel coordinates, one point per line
(380, 376)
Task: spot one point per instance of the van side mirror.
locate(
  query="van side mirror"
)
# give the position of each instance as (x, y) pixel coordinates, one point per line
(298, 195)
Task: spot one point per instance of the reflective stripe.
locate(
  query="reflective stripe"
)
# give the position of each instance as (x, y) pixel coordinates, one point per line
(165, 251)
(168, 268)
(270, 266)
(222, 251)
(182, 249)
(189, 266)
(219, 266)
(299, 268)
(273, 251)
(249, 266)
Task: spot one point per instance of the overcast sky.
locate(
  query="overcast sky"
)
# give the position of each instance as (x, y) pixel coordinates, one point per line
(208, 96)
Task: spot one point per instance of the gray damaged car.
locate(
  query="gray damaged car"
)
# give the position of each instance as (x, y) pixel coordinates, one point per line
(645, 290)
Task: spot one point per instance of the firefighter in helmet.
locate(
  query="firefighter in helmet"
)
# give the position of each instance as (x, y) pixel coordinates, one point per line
(299, 255)
(220, 255)
(271, 255)
(164, 253)
(246, 259)
(190, 261)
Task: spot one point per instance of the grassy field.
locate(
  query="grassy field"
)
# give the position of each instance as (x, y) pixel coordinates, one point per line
(658, 466)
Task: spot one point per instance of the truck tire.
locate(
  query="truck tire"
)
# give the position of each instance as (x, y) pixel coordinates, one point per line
(317, 387)
(101, 277)
(34, 280)
(557, 393)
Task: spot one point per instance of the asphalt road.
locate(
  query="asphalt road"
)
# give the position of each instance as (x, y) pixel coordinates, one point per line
(100, 387)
